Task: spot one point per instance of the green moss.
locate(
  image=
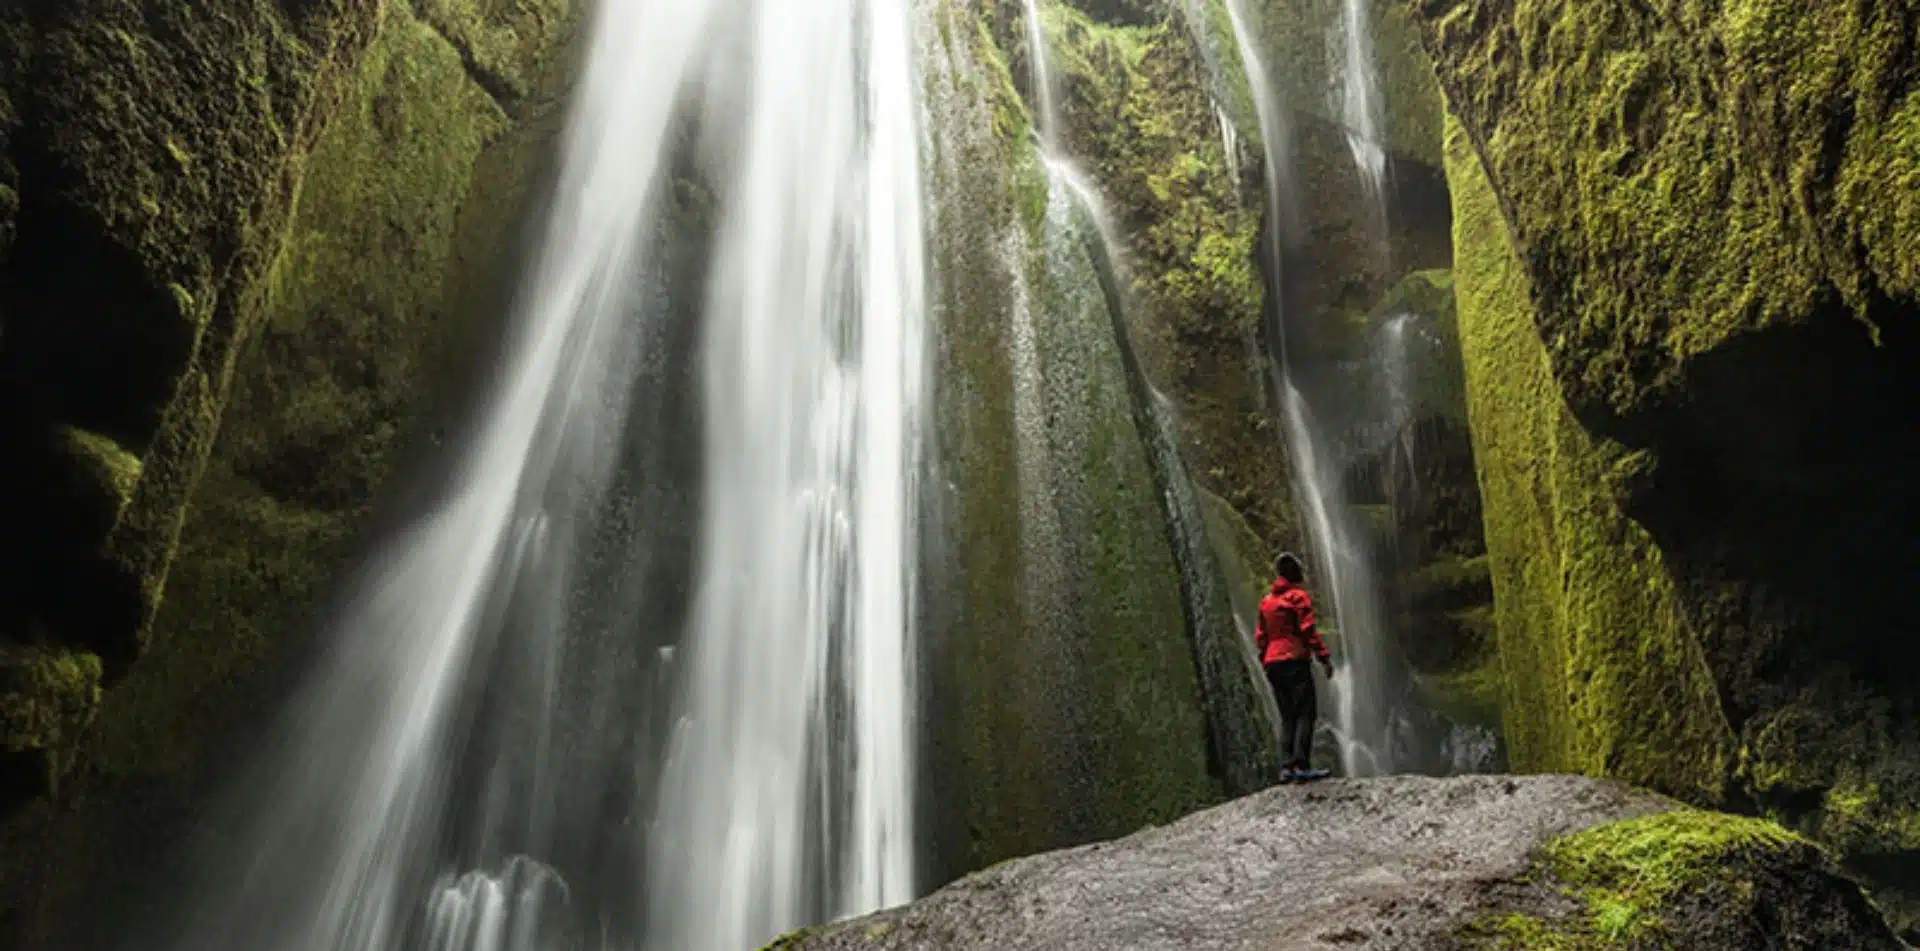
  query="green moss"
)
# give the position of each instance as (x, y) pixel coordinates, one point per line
(47, 700)
(107, 469)
(1610, 128)
(1137, 110)
(500, 42)
(1684, 879)
(1705, 199)
(1834, 748)
(327, 353)
(792, 940)
(1243, 555)
(1516, 932)
(1427, 292)
(350, 319)
(1603, 674)
(1626, 871)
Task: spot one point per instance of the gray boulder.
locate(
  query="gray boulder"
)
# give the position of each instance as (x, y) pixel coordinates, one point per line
(1403, 863)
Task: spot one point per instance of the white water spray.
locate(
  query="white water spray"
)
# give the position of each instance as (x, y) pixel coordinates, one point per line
(816, 401)
(410, 798)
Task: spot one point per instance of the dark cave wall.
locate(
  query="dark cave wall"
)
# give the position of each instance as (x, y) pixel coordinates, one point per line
(245, 239)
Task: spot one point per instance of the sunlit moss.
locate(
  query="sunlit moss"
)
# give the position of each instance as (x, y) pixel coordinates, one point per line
(1602, 673)
(1684, 879)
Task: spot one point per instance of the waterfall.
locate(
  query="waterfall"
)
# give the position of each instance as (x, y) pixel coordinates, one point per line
(1363, 716)
(468, 765)
(797, 708)
(1047, 122)
(1360, 102)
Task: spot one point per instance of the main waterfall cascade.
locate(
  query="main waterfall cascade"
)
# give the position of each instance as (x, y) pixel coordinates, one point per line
(482, 760)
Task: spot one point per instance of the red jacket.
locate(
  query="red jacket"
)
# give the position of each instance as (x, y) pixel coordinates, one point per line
(1286, 630)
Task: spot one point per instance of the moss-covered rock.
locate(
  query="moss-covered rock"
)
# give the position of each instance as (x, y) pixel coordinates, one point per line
(1688, 280)
(323, 195)
(1052, 524)
(1688, 879)
(1484, 863)
(1602, 672)
(47, 700)
(1138, 113)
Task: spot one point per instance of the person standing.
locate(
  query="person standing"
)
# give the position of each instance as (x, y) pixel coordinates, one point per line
(1289, 643)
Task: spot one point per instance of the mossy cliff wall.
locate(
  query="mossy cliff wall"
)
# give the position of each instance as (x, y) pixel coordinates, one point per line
(1138, 114)
(243, 234)
(1689, 272)
(1342, 256)
(1083, 620)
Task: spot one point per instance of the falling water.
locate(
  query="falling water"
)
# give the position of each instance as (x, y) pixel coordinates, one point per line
(1360, 100)
(1397, 379)
(460, 771)
(815, 389)
(1362, 707)
(1040, 77)
(1229, 143)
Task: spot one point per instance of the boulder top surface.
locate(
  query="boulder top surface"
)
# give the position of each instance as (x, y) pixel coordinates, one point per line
(1396, 863)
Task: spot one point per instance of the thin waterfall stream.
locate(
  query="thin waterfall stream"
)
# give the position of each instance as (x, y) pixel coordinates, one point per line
(1360, 104)
(1363, 706)
(472, 767)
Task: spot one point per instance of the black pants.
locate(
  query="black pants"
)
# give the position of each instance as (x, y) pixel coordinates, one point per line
(1292, 682)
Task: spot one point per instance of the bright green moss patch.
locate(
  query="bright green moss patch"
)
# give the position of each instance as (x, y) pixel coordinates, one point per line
(1517, 932)
(1603, 675)
(1864, 815)
(1683, 880)
(1627, 871)
(1690, 178)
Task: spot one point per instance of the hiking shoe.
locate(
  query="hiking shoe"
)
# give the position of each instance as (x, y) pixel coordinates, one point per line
(1291, 775)
(1310, 775)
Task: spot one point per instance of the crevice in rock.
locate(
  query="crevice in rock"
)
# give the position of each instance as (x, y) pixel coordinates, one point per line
(504, 91)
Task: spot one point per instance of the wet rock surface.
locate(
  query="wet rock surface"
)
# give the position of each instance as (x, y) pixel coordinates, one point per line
(1406, 862)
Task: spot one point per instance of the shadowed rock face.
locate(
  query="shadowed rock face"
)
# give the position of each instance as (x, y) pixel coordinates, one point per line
(1688, 282)
(1394, 863)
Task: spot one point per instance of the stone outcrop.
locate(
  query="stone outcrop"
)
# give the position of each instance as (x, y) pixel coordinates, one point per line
(1408, 863)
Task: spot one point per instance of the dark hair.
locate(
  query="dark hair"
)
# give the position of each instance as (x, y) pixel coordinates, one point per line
(1287, 565)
